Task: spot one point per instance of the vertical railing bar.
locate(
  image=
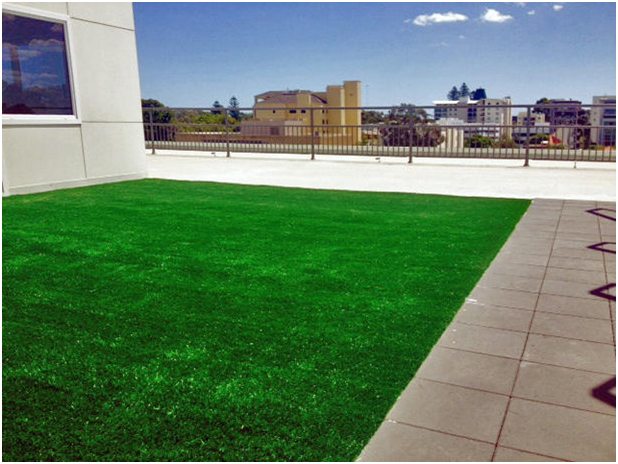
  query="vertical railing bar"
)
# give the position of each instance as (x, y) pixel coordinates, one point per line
(227, 133)
(152, 137)
(410, 135)
(528, 118)
(312, 127)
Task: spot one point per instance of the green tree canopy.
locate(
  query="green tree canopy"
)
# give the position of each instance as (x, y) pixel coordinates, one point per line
(158, 116)
(216, 107)
(478, 141)
(453, 94)
(372, 117)
(234, 105)
(464, 90)
(401, 114)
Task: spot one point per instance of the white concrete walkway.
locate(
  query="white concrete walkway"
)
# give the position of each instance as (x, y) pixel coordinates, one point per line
(462, 177)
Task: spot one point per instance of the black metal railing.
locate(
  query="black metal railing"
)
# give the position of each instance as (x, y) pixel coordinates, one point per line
(580, 133)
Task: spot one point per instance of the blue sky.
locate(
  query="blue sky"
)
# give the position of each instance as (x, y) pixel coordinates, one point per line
(191, 54)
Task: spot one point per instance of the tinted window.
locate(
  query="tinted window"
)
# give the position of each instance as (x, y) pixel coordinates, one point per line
(35, 71)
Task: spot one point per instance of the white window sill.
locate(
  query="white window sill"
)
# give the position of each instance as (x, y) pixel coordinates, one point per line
(40, 121)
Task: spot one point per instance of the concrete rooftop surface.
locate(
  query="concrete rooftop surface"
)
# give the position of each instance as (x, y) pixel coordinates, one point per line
(462, 177)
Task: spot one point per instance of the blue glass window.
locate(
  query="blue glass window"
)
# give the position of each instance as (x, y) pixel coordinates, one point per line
(35, 70)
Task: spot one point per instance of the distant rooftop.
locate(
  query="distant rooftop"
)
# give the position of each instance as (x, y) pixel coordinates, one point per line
(288, 96)
(453, 102)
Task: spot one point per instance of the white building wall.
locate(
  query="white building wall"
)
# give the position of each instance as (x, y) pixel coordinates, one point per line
(107, 142)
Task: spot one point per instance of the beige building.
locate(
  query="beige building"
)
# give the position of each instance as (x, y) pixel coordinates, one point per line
(494, 111)
(603, 121)
(535, 119)
(290, 113)
(82, 123)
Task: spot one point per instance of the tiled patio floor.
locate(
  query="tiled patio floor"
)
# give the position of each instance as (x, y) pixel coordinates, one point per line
(526, 371)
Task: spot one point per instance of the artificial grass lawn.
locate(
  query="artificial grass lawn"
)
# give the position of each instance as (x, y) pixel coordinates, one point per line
(162, 320)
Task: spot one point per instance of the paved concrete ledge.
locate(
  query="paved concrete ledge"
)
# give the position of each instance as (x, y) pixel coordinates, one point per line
(526, 370)
(461, 177)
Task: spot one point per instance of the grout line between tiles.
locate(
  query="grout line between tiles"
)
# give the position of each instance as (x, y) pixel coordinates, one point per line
(523, 351)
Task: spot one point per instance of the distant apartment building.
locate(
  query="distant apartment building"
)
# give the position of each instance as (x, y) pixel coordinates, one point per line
(521, 119)
(493, 114)
(563, 115)
(279, 113)
(493, 111)
(561, 112)
(463, 109)
(603, 121)
(537, 125)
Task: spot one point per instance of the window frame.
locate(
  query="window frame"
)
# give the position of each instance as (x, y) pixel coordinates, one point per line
(49, 119)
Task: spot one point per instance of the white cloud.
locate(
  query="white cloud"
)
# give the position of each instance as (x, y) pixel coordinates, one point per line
(558, 7)
(35, 48)
(462, 37)
(531, 12)
(406, 21)
(494, 16)
(438, 18)
(520, 4)
(48, 45)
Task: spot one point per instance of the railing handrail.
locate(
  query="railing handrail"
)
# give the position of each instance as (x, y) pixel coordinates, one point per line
(488, 131)
(566, 106)
(386, 124)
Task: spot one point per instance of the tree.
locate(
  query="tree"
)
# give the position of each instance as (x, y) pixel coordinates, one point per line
(401, 114)
(541, 109)
(506, 142)
(372, 117)
(216, 107)
(423, 135)
(424, 132)
(479, 94)
(212, 122)
(163, 116)
(201, 121)
(453, 94)
(234, 105)
(478, 141)
(538, 139)
(464, 90)
(158, 116)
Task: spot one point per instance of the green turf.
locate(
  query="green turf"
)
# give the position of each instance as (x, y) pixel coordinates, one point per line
(161, 320)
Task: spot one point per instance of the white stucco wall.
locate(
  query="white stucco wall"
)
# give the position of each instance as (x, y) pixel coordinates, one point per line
(107, 143)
